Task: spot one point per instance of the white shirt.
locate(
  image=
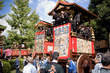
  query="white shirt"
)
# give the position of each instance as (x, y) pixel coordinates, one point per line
(29, 68)
(98, 66)
(54, 61)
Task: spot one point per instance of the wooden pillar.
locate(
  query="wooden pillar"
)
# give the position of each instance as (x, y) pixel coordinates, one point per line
(0, 33)
(109, 41)
(71, 54)
(43, 54)
(90, 27)
(66, 68)
(89, 22)
(50, 55)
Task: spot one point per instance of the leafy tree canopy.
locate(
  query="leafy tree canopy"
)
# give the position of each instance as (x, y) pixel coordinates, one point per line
(22, 22)
(102, 9)
(1, 6)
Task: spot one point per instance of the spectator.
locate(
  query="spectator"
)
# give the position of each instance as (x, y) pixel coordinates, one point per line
(106, 63)
(37, 61)
(97, 60)
(42, 64)
(24, 61)
(1, 65)
(17, 64)
(72, 66)
(29, 68)
(37, 58)
(45, 56)
(34, 63)
(54, 67)
(29, 55)
(48, 59)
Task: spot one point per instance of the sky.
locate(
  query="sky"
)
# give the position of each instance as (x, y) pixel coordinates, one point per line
(42, 7)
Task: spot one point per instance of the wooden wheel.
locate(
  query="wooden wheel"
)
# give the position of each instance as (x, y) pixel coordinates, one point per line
(84, 64)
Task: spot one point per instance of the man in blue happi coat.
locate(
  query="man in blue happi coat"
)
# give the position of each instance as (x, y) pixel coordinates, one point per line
(71, 66)
(17, 64)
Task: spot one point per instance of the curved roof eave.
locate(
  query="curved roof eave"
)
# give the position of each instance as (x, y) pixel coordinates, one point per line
(41, 22)
(65, 3)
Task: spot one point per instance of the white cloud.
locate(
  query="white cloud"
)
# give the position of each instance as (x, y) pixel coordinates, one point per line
(4, 23)
(82, 1)
(40, 0)
(78, 0)
(43, 8)
(7, 17)
(30, 1)
(70, 1)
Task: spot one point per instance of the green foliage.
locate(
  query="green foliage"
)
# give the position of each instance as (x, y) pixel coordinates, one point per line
(12, 37)
(21, 63)
(2, 27)
(6, 67)
(102, 9)
(98, 30)
(92, 5)
(1, 6)
(23, 21)
(9, 65)
(12, 63)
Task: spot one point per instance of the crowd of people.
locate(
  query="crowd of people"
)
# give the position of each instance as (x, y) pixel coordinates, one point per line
(84, 31)
(60, 19)
(36, 62)
(80, 28)
(45, 65)
(102, 63)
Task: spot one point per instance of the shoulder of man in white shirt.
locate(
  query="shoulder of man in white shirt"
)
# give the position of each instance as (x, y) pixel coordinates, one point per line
(28, 68)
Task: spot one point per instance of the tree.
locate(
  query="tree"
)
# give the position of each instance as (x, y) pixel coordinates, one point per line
(12, 37)
(23, 20)
(102, 9)
(92, 6)
(1, 6)
(99, 31)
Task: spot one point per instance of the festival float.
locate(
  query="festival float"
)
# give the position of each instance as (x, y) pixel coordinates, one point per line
(62, 39)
